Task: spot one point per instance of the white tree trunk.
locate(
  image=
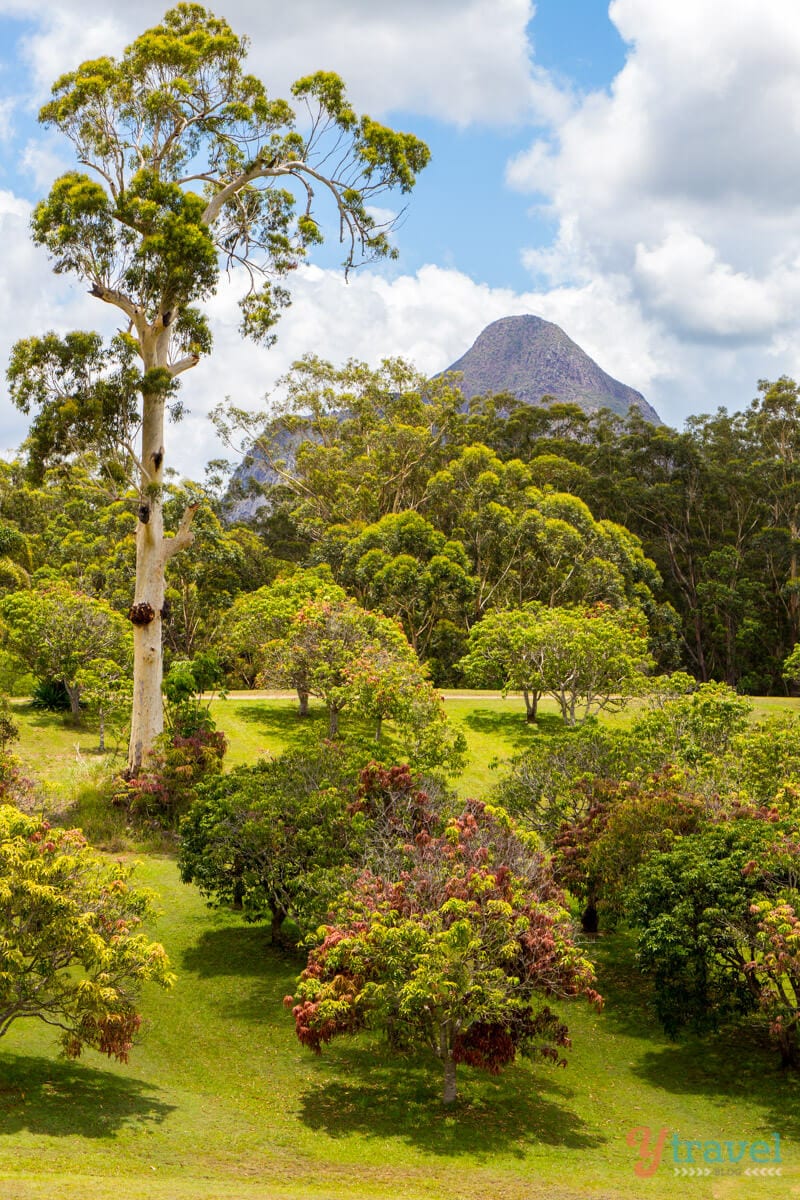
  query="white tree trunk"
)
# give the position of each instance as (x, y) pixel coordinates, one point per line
(153, 551)
(147, 719)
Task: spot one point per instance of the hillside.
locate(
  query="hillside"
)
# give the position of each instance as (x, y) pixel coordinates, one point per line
(532, 358)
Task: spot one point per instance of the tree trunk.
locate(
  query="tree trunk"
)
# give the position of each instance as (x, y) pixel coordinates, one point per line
(147, 720)
(531, 704)
(102, 745)
(153, 551)
(449, 1087)
(333, 722)
(303, 698)
(276, 926)
(378, 728)
(789, 1049)
(74, 693)
(590, 920)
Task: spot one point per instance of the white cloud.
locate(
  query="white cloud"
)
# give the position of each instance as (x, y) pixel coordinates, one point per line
(683, 279)
(32, 301)
(460, 60)
(679, 190)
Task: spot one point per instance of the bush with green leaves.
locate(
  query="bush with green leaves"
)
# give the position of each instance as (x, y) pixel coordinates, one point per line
(720, 932)
(189, 751)
(276, 839)
(74, 953)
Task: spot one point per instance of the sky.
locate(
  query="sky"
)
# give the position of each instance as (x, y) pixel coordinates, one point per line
(630, 171)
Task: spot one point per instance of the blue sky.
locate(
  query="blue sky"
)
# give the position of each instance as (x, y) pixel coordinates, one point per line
(629, 171)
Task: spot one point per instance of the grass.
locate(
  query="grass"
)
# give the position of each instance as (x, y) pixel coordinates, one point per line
(220, 1102)
(219, 1099)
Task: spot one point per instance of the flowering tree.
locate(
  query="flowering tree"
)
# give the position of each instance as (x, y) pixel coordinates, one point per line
(455, 953)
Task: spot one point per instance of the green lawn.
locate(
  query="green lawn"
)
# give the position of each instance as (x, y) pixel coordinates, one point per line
(220, 1101)
(65, 758)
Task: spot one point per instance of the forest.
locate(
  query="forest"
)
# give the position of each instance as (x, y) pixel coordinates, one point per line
(458, 741)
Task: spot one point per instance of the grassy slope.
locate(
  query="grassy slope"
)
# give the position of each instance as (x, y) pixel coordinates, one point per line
(220, 1101)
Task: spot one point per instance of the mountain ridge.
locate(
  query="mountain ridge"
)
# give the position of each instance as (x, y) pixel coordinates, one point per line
(531, 358)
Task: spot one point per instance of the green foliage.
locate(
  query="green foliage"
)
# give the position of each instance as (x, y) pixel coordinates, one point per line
(403, 566)
(719, 933)
(106, 690)
(275, 839)
(176, 109)
(189, 752)
(82, 394)
(506, 651)
(186, 689)
(349, 444)
(455, 956)
(50, 695)
(588, 660)
(361, 662)
(57, 632)
(266, 614)
(561, 777)
(693, 728)
(74, 954)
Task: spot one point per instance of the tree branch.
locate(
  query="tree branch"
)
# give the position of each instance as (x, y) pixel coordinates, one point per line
(184, 537)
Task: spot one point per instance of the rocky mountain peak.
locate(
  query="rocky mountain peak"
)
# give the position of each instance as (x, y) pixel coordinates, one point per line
(531, 358)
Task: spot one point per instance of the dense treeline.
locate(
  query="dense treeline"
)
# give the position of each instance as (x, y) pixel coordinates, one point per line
(437, 516)
(379, 474)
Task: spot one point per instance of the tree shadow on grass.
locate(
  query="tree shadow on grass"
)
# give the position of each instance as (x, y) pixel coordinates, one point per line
(246, 953)
(627, 993)
(735, 1065)
(232, 950)
(60, 1099)
(512, 727)
(401, 1098)
(283, 723)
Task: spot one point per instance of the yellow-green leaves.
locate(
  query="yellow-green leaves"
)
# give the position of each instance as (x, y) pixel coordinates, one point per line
(72, 952)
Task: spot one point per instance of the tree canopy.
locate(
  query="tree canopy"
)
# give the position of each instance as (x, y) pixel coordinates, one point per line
(74, 952)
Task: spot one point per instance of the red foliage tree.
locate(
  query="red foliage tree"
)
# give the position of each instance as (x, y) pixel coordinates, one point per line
(454, 952)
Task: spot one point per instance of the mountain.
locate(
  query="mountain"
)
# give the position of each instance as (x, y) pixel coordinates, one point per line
(532, 358)
(526, 356)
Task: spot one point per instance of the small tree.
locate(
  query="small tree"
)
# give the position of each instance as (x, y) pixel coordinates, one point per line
(266, 615)
(73, 951)
(388, 683)
(106, 688)
(506, 650)
(593, 659)
(58, 633)
(326, 642)
(193, 170)
(274, 839)
(455, 956)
